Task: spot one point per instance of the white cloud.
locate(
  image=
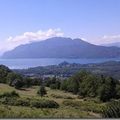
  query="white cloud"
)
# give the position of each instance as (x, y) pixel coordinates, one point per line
(110, 39)
(27, 37)
(106, 39)
(83, 39)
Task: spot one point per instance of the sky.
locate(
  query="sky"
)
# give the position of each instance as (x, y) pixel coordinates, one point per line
(25, 21)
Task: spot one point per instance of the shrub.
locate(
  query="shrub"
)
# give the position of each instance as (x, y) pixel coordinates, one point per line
(56, 96)
(84, 105)
(9, 94)
(15, 94)
(71, 103)
(53, 86)
(44, 104)
(15, 101)
(18, 83)
(29, 102)
(8, 101)
(111, 110)
(22, 102)
(42, 91)
(61, 96)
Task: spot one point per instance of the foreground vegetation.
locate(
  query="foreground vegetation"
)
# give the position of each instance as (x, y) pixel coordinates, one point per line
(84, 95)
(70, 106)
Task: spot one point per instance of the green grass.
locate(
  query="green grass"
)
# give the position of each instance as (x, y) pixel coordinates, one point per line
(70, 105)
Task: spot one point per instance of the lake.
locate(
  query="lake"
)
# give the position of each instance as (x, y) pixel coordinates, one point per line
(26, 63)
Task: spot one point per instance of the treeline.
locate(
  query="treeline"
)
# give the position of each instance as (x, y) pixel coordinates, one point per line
(18, 81)
(86, 84)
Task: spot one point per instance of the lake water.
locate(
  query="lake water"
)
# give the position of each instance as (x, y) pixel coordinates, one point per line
(26, 63)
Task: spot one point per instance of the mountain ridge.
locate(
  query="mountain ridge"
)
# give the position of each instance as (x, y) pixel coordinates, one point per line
(61, 47)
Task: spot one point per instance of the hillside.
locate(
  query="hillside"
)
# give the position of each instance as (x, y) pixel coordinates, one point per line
(70, 105)
(83, 95)
(59, 47)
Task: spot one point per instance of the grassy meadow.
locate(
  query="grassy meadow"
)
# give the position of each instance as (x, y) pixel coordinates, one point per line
(70, 106)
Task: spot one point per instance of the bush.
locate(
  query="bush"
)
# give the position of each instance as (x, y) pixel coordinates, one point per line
(71, 103)
(44, 104)
(56, 96)
(15, 101)
(42, 91)
(61, 96)
(22, 102)
(29, 102)
(84, 105)
(111, 110)
(9, 94)
(14, 94)
(18, 83)
(53, 86)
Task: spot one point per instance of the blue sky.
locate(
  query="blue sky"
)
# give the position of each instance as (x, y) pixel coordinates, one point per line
(93, 20)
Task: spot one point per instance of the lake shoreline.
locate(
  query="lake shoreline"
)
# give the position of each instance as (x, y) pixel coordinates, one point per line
(28, 63)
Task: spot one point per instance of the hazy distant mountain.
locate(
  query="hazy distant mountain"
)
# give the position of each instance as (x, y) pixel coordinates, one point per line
(59, 47)
(116, 44)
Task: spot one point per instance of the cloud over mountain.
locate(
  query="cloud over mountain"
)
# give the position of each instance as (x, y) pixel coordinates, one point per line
(111, 38)
(28, 37)
(62, 47)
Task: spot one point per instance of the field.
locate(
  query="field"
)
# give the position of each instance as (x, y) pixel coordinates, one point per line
(70, 106)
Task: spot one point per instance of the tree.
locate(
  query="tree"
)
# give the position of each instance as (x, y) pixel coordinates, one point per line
(107, 90)
(118, 91)
(36, 81)
(58, 83)
(18, 83)
(53, 80)
(89, 86)
(64, 85)
(112, 85)
(28, 82)
(73, 86)
(3, 73)
(12, 78)
(104, 93)
(42, 91)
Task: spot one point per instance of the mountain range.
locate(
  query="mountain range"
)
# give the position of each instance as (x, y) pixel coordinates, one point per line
(61, 47)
